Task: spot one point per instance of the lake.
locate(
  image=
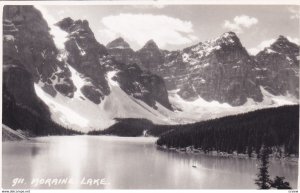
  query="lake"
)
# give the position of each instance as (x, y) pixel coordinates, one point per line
(124, 163)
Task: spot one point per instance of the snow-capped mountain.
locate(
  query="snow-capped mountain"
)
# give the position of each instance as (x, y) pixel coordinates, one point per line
(83, 54)
(29, 56)
(222, 70)
(83, 85)
(278, 68)
(151, 57)
(92, 60)
(80, 86)
(218, 69)
(118, 43)
(122, 52)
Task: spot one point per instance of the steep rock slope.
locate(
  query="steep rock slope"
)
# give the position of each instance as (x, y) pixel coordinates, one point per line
(85, 86)
(278, 67)
(29, 56)
(222, 70)
(27, 44)
(69, 85)
(122, 52)
(219, 70)
(92, 60)
(96, 101)
(151, 57)
(83, 55)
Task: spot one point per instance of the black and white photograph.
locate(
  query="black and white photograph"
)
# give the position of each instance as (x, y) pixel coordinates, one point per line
(150, 95)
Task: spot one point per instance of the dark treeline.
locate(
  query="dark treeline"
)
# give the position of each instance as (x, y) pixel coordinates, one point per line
(131, 127)
(20, 117)
(244, 133)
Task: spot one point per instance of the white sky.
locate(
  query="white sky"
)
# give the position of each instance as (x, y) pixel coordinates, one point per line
(177, 26)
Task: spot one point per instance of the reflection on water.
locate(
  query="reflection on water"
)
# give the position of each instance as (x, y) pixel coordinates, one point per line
(125, 163)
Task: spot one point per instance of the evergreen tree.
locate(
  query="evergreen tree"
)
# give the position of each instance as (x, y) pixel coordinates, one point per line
(244, 133)
(280, 184)
(263, 181)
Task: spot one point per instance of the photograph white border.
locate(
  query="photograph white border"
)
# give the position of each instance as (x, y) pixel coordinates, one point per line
(138, 2)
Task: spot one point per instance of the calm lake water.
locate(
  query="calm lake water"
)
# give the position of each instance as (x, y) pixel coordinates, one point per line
(123, 163)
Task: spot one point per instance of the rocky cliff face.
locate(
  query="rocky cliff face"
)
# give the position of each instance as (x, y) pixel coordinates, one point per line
(134, 78)
(222, 70)
(122, 52)
(86, 73)
(151, 57)
(278, 67)
(218, 69)
(143, 85)
(29, 56)
(27, 41)
(93, 61)
(84, 53)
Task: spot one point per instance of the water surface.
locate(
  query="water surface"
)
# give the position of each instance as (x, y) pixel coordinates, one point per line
(123, 163)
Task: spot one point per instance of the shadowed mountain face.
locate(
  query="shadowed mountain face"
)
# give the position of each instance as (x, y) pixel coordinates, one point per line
(29, 46)
(218, 70)
(31, 58)
(278, 67)
(221, 69)
(84, 53)
(151, 57)
(118, 43)
(93, 61)
(122, 52)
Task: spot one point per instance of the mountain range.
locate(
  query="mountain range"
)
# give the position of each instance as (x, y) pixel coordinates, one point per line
(220, 69)
(86, 85)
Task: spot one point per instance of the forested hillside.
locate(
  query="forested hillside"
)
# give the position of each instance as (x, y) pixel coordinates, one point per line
(244, 133)
(132, 127)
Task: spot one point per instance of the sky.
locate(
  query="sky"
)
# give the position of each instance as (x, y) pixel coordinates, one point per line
(175, 27)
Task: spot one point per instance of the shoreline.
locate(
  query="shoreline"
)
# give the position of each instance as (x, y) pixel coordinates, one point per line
(188, 150)
(192, 151)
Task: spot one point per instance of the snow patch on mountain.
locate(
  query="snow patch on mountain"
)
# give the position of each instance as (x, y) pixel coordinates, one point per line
(62, 111)
(110, 76)
(8, 38)
(194, 54)
(59, 36)
(81, 114)
(120, 105)
(79, 81)
(270, 99)
(205, 48)
(77, 113)
(82, 52)
(200, 109)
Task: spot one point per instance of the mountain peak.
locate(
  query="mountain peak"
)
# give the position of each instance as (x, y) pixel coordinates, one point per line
(151, 41)
(119, 43)
(229, 38)
(65, 23)
(68, 24)
(229, 34)
(284, 45)
(282, 38)
(150, 44)
(119, 39)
